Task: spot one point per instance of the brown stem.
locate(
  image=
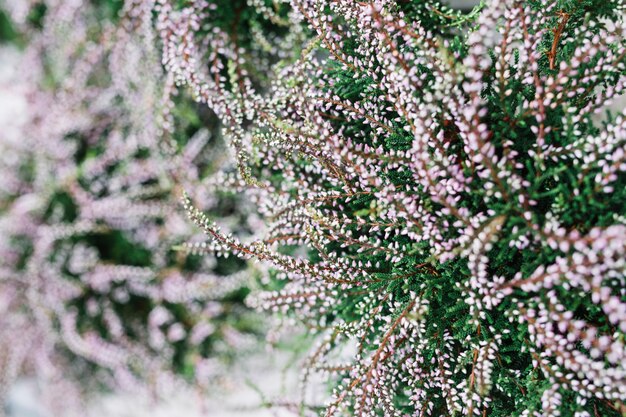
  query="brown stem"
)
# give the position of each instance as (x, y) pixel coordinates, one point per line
(558, 32)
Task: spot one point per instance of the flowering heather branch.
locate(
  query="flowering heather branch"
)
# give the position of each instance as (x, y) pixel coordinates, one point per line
(444, 203)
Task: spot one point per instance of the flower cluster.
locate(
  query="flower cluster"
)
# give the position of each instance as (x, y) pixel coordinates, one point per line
(92, 288)
(441, 196)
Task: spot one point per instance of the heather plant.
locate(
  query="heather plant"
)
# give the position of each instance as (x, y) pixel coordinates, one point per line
(443, 197)
(92, 290)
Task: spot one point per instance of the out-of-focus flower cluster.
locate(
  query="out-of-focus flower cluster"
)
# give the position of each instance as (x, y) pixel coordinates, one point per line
(92, 288)
(443, 203)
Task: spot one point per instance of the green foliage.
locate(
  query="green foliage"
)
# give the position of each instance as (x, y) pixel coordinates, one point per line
(7, 31)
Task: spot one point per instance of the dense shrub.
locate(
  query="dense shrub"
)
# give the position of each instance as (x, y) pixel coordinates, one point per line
(439, 199)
